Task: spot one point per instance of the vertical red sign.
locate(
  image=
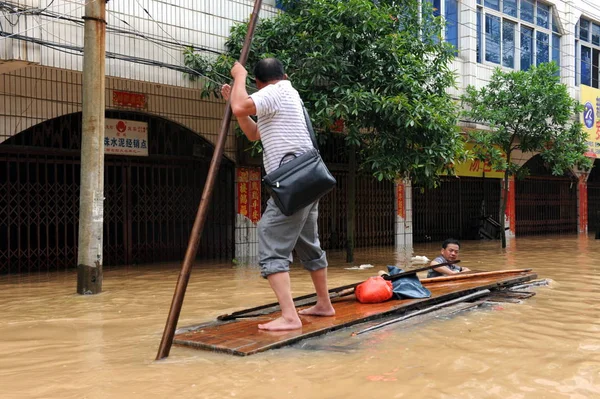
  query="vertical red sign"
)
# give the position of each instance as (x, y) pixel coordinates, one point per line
(583, 206)
(511, 206)
(243, 185)
(255, 202)
(400, 195)
(248, 193)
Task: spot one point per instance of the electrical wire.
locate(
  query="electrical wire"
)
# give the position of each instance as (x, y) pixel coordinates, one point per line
(31, 10)
(74, 49)
(226, 78)
(145, 36)
(38, 26)
(78, 50)
(47, 7)
(517, 30)
(9, 9)
(591, 5)
(182, 47)
(162, 43)
(41, 12)
(154, 38)
(180, 67)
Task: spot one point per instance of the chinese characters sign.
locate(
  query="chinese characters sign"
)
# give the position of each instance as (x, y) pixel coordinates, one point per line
(590, 98)
(122, 137)
(248, 193)
(126, 99)
(400, 197)
(583, 205)
(476, 168)
(510, 219)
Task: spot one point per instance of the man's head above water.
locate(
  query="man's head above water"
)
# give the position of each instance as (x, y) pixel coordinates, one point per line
(450, 249)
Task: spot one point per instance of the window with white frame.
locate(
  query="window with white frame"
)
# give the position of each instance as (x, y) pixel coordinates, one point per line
(517, 33)
(587, 52)
(449, 10)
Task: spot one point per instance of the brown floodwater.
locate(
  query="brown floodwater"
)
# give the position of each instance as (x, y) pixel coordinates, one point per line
(56, 344)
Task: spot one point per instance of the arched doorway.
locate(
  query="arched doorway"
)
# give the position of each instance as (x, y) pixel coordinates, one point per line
(545, 204)
(150, 202)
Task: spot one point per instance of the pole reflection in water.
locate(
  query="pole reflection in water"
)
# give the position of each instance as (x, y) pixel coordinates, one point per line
(56, 344)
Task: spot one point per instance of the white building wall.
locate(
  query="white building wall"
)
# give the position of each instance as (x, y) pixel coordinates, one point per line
(479, 74)
(158, 35)
(32, 95)
(38, 83)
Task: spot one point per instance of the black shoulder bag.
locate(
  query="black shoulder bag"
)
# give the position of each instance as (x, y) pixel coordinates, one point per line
(301, 181)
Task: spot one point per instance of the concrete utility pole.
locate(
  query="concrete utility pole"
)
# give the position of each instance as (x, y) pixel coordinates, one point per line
(91, 203)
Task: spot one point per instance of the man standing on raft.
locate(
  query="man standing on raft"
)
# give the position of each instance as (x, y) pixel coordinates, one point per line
(282, 128)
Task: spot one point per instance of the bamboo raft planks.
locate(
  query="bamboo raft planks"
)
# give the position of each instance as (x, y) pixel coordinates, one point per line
(242, 337)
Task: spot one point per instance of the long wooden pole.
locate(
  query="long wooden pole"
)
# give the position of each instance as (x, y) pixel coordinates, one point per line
(192, 249)
(463, 276)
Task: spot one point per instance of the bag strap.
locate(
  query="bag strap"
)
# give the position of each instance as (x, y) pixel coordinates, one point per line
(311, 132)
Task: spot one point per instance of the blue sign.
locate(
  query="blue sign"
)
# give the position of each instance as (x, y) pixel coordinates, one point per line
(588, 115)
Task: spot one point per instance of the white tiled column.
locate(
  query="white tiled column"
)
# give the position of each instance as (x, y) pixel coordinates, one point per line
(246, 243)
(467, 51)
(404, 227)
(247, 196)
(567, 46)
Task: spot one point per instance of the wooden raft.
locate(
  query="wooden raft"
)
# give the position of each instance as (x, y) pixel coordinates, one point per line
(242, 337)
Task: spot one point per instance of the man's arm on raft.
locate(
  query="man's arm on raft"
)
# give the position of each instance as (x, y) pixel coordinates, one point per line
(446, 271)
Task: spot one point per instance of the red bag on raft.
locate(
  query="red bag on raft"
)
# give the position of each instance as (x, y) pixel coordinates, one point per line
(374, 290)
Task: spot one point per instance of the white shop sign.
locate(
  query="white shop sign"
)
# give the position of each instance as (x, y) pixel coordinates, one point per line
(123, 137)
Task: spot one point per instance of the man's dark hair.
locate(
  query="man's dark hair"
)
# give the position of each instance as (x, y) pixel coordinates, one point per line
(269, 69)
(450, 241)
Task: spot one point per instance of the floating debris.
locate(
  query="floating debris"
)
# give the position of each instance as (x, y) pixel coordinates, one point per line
(361, 267)
(419, 259)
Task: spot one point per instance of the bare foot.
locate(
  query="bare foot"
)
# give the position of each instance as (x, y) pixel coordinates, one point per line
(281, 324)
(318, 310)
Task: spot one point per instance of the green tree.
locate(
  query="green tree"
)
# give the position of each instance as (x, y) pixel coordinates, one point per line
(530, 111)
(383, 69)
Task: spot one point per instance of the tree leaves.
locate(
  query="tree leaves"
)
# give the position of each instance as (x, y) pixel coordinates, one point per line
(530, 111)
(381, 68)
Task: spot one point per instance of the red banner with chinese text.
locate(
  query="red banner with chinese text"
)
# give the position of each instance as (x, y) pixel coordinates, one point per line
(583, 206)
(248, 193)
(128, 99)
(510, 210)
(400, 196)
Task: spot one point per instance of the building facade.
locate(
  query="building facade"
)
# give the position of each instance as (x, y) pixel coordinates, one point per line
(152, 193)
(514, 35)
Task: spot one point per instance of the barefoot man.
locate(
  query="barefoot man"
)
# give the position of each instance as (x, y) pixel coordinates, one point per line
(282, 128)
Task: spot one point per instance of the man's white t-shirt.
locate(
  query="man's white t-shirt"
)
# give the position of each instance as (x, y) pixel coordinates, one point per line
(281, 123)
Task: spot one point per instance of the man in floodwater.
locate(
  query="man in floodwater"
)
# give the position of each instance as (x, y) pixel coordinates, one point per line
(450, 251)
(282, 128)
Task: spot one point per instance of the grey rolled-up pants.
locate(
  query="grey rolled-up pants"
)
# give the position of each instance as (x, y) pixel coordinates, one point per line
(278, 235)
